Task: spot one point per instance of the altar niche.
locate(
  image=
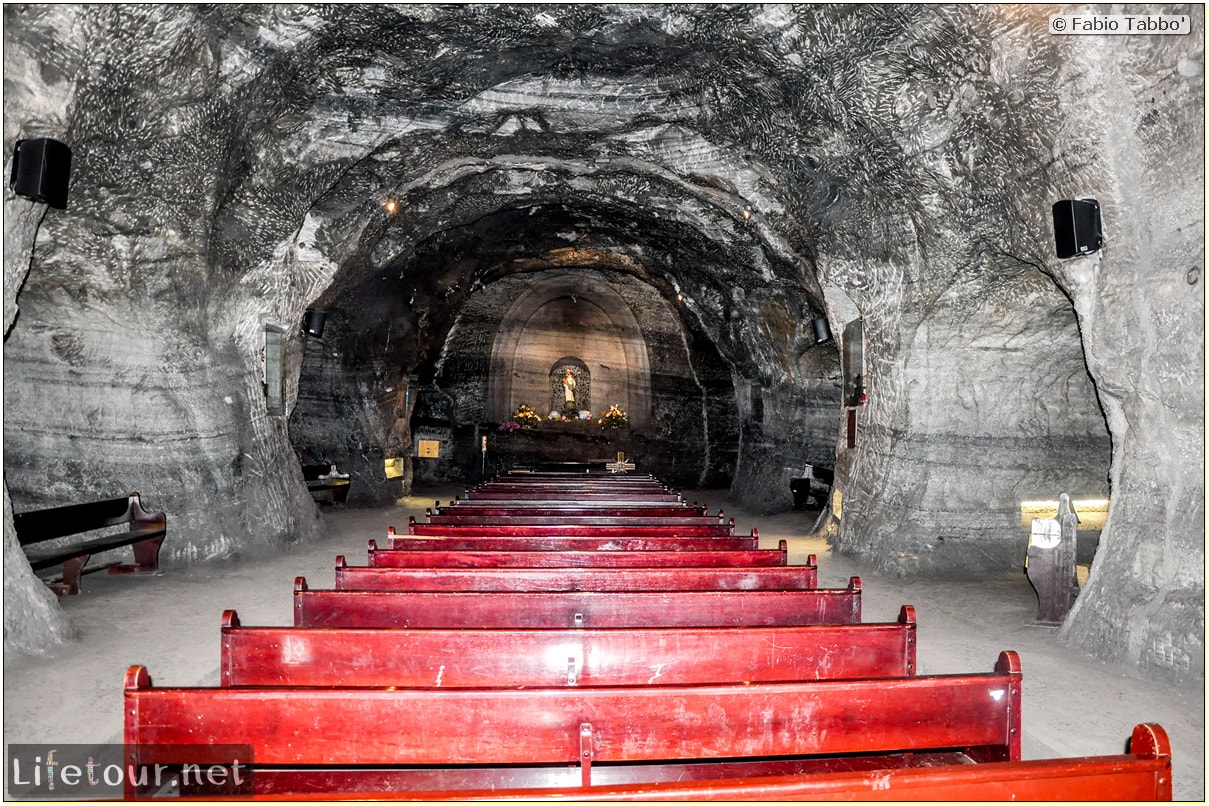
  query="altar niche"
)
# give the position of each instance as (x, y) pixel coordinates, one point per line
(570, 386)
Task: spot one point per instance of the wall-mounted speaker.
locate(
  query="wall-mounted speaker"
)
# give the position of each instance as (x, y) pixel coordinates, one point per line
(1077, 227)
(312, 323)
(41, 169)
(822, 331)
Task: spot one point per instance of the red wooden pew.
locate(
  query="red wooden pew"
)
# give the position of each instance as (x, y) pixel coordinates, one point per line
(569, 509)
(539, 496)
(1141, 774)
(503, 658)
(473, 558)
(613, 734)
(369, 578)
(568, 530)
(603, 518)
(554, 610)
(576, 483)
(572, 543)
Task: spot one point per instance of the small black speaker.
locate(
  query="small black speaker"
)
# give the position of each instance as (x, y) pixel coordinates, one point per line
(1077, 227)
(312, 323)
(822, 331)
(41, 169)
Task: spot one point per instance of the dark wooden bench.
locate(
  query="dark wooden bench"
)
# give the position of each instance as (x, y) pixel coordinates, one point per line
(576, 480)
(567, 530)
(41, 534)
(504, 658)
(564, 543)
(634, 734)
(370, 578)
(325, 487)
(555, 610)
(600, 482)
(470, 558)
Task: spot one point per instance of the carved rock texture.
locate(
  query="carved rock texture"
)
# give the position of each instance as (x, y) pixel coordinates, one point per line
(737, 170)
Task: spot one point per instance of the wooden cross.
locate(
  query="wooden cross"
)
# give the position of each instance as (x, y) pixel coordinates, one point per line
(621, 465)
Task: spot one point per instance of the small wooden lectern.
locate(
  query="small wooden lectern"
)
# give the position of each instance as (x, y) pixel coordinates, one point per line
(1050, 563)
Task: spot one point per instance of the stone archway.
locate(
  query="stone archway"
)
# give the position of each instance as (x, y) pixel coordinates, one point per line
(570, 316)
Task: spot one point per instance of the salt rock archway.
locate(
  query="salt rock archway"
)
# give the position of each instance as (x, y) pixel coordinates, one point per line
(570, 315)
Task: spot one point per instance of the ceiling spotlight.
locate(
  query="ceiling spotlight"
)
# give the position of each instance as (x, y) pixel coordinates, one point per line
(391, 205)
(747, 214)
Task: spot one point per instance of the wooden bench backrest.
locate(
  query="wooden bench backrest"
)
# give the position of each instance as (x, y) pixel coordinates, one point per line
(367, 578)
(332, 608)
(452, 658)
(601, 480)
(556, 500)
(977, 713)
(570, 509)
(542, 497)
(468, 558)
(47, 524)
(1141, 775)
(616, 484)
(601, 519)
(571, 543)
(569, 530)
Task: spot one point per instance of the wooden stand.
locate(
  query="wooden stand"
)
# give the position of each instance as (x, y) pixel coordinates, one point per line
(1050, 564)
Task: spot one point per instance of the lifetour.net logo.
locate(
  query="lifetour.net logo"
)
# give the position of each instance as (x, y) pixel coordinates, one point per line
(114, 771)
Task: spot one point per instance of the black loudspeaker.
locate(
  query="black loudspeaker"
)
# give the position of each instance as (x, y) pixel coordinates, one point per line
(1077, 227)
(41, 169)
(312, 323)
(822, 331)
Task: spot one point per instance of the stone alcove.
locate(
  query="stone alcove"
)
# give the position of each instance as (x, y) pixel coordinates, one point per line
(581, 386)
(570, 320)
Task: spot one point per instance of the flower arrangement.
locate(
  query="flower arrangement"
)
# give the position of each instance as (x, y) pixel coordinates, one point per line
(510, 426)
(613, 417)
(569, 416)
(526, 416)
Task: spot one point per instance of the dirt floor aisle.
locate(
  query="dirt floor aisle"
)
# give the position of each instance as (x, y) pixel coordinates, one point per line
(1073, 705)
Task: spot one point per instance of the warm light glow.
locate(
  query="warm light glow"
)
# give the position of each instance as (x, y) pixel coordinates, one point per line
(746, 214)
(391, 205)
(1092, 512)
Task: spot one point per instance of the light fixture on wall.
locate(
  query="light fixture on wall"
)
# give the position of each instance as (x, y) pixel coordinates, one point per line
(312, 323)
(391, 206)
(822, 331)
(41, 169)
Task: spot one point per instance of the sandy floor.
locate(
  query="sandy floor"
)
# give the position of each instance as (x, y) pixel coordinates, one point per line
(1073, 705)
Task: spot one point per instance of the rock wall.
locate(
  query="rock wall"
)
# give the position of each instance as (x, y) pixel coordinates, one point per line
(758, 166)
(132, 364)
(998, 371)
(1141, 307)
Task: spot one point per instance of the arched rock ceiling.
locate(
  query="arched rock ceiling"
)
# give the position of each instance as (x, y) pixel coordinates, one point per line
(710, 147)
